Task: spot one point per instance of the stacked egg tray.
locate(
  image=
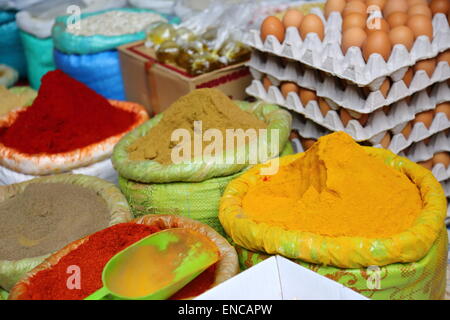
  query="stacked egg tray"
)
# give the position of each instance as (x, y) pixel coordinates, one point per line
(328, 57)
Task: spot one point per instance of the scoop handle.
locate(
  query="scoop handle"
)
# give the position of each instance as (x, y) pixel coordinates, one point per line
(98, 295)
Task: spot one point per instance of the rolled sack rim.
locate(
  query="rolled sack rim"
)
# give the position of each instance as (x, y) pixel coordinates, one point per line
(344, 252)
(42, 164)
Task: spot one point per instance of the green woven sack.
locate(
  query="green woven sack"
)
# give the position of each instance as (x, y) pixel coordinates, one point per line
(39, 55)
(195, 200)
(13, 271)
(149, 171)
(421, 280)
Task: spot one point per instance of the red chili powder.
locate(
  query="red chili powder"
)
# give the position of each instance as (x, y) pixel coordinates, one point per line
(65, 116)
(91, 257)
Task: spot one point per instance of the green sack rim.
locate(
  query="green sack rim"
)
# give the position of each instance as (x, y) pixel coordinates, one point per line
(345, 252)
(69, 43)
(11, 271)
(149, 171)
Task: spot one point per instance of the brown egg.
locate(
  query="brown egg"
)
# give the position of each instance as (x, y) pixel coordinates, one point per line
(287, 87)
(406, 131)
(420, 9)
(377, 24)
(397, 19)
(395, 6)
(414, 2)
(294, 135)
(379, 4)
(444, 56)
(266, 83)
(334, 6)
(292, 18)
(440, 6)
(444, 108)
(306, 96)
(421, 25)
(307, 143)
(441, 157)
(272, 25)
(386, 140)
(407, 78)
(385, 86)
(386, 109)
(363, 118)
(354, 20)
(355, 6)
(427, 164)
(429, 65)
(377, 42)
(312, 23)
(324, 106)
(353, 37)
(402, 35)
(427, 140)
(345, 116)
(425, 117)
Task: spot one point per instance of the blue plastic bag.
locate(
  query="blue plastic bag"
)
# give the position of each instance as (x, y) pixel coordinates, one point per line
(39, 54)
(69, 43)
(99, 71)
(11, 50)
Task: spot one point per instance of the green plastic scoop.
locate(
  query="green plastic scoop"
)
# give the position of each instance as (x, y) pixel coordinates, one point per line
(157, 266)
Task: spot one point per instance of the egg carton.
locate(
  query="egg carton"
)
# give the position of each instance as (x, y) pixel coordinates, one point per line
(307, 128)
(421, 151)
(328, 88)
(327, 55)
(378, 123)
(446, 187)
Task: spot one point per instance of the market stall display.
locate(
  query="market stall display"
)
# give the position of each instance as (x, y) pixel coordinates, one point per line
(42, 282)
(88, 52)
(336, 178)
(64, 131)
(43, 215)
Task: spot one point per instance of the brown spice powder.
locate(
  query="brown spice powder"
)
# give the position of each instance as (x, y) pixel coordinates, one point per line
(211, 106)
(47, 216)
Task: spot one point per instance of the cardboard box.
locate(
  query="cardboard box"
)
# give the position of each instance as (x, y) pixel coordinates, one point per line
(278, 278)
(156, 85)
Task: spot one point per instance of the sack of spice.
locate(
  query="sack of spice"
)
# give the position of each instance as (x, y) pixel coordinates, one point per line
(40, 216)
(195, 200)
(342, 205)
(146, 154)
(64, 130)
(15, 98)
(48, 280)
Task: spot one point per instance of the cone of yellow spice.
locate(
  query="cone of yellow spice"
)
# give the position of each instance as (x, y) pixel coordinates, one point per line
(336, 189)
(337, 204)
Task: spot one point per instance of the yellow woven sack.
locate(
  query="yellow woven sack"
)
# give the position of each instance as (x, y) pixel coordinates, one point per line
(343, 252)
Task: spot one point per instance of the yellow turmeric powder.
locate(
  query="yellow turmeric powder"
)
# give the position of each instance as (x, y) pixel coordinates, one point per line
(336, 189)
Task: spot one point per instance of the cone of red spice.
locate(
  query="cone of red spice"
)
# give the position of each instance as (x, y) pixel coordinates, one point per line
(65, 116)
(91, 257)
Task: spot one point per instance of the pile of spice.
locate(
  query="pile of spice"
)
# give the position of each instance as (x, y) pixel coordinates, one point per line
(65, 116)
(210, 106)
(45, 217)
(336, 189)
(91, 257)
(10, 100)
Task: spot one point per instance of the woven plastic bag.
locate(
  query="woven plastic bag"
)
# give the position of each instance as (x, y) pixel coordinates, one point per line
(39, 56)
(227, 267)
(421, 280)
(149, 171)
(13, 271)
(195, 200)
(69, 43)
(44, 164)
(345, 252)
(99, 71)
(11, 49)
